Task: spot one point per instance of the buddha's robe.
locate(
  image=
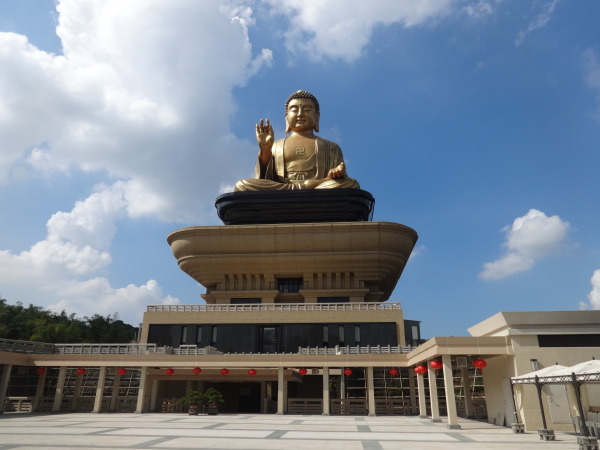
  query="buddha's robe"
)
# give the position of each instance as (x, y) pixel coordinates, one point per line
(279, 175)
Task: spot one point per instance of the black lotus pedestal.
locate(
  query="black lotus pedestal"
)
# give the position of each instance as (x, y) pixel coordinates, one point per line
(302, 206)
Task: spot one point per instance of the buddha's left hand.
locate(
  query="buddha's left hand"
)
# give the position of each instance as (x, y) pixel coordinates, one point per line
(338, 172)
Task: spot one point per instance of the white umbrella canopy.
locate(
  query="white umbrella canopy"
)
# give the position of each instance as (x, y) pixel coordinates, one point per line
(545, 372)
(585, 371)
(574, 375)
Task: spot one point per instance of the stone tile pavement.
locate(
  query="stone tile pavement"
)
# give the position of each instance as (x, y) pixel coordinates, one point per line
(260, 432)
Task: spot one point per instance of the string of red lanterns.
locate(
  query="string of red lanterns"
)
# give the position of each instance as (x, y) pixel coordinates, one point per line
(122, 371)
(393, 372)
(170, 371)
(40, 371)
(347, 372)
(302, 371)
(196, 371)
(224, 372)
(252, 372)
(436, 364)
(420, 369)
(81, 371)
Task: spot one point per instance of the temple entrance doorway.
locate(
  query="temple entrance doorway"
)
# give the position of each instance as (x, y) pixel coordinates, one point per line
(239, 397)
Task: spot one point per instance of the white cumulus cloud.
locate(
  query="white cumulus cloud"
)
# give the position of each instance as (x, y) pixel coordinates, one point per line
(342, 28)
(594, 295)
(142, 92)
(59, 272)
(531, 237)
(141, 95)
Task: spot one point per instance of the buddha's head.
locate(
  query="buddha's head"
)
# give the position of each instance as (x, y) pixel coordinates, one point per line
(302, 112)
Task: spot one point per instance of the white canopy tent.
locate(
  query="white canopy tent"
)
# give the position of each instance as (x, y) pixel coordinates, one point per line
(586, 372)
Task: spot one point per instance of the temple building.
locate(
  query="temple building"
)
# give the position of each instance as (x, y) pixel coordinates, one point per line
(297, 319)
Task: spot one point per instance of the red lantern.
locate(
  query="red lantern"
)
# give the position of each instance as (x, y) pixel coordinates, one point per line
(224, 372)
(393, 372)
(347, 372)
(303, 371)
(196, 371)
(420, 369)
(81, 371)
(435, 364)
(479, 363)
(122, 371)
(170, 371)
(252, 372)
(40, 371)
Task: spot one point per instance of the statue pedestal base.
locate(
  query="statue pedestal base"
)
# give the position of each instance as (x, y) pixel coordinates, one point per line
(301, 206)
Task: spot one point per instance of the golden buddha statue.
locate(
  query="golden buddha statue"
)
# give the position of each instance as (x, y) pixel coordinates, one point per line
(301, 160)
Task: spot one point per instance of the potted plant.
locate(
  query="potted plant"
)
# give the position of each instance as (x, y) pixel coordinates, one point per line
(212, 398)
(193, 400)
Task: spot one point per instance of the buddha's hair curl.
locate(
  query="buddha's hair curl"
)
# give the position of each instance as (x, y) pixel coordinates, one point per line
(302, 94)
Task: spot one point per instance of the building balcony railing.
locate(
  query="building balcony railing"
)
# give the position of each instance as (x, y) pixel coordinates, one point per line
(141, 349)
(15, 346)
(354, 350)
(108, 349)
(372, 306)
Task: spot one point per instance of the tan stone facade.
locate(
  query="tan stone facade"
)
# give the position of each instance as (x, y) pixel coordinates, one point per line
(301, 305)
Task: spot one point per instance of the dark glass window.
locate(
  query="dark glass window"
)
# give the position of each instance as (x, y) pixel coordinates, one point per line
(268, 340)
(214, 336)
(569, 340)
(341, 336)
(325, 335)
(184, 334)
(333, 299)
(243, 301)
(357, 334)
(289, 285)
(199, 335)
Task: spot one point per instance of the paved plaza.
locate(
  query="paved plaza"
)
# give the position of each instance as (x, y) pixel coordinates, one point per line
(243, 431)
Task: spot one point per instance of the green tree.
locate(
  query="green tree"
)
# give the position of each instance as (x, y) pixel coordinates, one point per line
(33, 323)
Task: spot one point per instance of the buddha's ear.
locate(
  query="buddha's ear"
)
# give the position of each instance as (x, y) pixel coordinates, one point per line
(287, 125)
(317, 122)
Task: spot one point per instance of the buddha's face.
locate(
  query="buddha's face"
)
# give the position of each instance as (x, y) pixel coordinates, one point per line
(302, 115)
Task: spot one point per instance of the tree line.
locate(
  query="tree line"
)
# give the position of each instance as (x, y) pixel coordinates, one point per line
(33, 323)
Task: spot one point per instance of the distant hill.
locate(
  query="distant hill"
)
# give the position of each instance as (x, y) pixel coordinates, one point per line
(33, 323)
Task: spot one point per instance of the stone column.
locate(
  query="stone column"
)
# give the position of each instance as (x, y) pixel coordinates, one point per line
(449, 388)
(263, 397)
(114, 397)
(99, 390)
(76, 392)
(433, 395)
(60, 388)
(469, 410)
(371, 391)
(281, 391)
(4, 384)
(141, 391)
(326, 395)
(413, 391)
(154, 396)
(422, 399)
(39, 392)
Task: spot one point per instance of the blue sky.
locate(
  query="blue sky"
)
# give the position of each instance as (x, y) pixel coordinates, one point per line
(475, 122)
